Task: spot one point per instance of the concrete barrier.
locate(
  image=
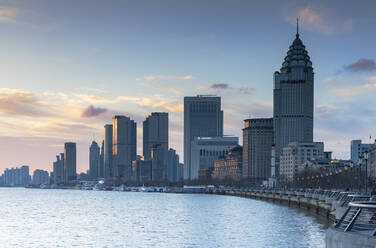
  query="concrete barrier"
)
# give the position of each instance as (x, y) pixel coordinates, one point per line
(336, 239)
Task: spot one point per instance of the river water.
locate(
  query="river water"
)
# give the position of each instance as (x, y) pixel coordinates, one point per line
(73, 218)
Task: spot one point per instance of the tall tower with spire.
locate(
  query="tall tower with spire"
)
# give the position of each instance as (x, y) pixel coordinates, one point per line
(293, 98)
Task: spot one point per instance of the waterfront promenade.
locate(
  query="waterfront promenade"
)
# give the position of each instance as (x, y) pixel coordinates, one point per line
(354, 214)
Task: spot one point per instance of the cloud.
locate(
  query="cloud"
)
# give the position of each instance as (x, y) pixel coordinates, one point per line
(92, 89)
(92, 111)
(19, 102)
(188, 77)
(153, 102)
(166, 78)
(218, 86)
(362, 64)
(164, 88)
(337, 126)
(227, 87)
(316, 18)
(351, 87)
(8, 15)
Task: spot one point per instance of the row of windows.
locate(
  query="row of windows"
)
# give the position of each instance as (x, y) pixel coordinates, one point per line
(203, 107)
(204, 152)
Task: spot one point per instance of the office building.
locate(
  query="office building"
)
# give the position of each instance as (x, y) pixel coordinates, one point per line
(142, 170)
(124, 146)
(257, 149)
(173, 166)
(58, 169)
(108, 151)
(205, 150)
(94, 160)
(357, 150)
(70, 162)
(293, 99)
(155, 132)
(101, 161)
(203, 117)
(157, 163)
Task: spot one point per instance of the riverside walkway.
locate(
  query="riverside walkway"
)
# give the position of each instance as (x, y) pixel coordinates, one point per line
(354, 214)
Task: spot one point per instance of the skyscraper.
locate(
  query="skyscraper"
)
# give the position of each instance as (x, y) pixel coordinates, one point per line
(58, 169)
(293, 99)
(157, 160)
(101, 161)
(173, 165)
(108, 151)
(124, 146)
(70, 162)
(94, 160)
(155, 132)
(257, 148)
(203, 117)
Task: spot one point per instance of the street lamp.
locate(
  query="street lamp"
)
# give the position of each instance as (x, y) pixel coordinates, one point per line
(366, 160)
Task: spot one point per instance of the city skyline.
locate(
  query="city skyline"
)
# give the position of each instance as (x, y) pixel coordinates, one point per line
(69, 97)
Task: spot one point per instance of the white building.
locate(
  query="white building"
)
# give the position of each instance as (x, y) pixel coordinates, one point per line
(295, 154)
(205, 150)
(357, 150)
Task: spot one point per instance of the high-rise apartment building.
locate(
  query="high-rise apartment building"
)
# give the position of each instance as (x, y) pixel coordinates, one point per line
(25, 175)
(155, 132)
(70, 162)
(124, 147)
(108, 151)
(203, 117)
(293, 99)
(257, 149)
(41, 177)
(94, 153)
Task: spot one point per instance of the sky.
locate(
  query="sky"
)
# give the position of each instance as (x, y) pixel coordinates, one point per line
(66, 67)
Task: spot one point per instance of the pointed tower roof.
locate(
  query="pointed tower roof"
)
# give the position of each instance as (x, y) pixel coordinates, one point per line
(297, 55)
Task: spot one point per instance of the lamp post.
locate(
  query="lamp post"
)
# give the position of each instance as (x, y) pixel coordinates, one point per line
(360, 173)
(366, 160)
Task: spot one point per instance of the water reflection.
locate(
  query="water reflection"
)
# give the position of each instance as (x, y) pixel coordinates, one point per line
(65, 218)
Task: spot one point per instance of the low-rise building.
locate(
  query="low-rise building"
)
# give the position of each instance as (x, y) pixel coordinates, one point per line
(205, 150)
(229, 166)
(142, 170)
(295, 154)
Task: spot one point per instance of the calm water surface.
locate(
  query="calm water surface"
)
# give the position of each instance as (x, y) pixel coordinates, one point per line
(72, 218)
